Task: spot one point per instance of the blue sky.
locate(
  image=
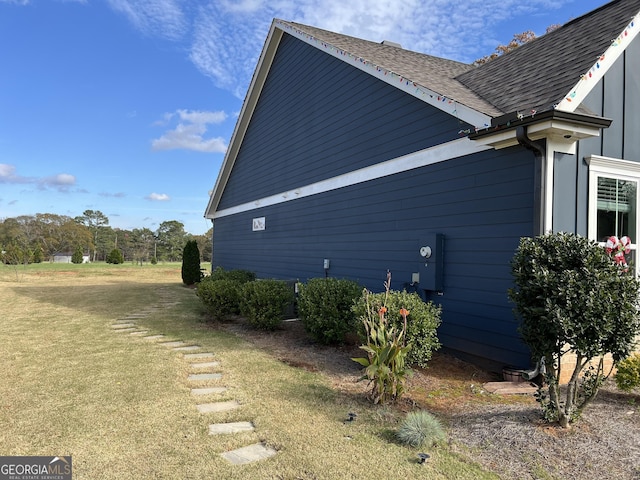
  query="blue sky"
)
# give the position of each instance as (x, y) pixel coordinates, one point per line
(127, 106)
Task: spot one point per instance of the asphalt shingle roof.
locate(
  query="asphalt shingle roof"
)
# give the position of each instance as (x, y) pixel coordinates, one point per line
(536, 75)
(539, 74)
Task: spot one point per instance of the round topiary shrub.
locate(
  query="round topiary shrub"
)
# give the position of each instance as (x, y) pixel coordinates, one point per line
(628, 374)
(324, 305)
(420, 429)
(263, 302)
(423, 320)
(221, 298)
(241, 276)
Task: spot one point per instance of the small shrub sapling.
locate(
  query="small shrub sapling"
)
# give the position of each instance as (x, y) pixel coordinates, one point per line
(572, 297)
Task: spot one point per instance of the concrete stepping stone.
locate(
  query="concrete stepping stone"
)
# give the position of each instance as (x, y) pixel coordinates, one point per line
(189, 348)
(204, 376)
(208, 391)
(153, 337)
(116, 326)
(218, 406)
(195, 356)
(136, 315)
(140, 332)
(126, 330)
(173, 344)
(248, 454)
(232, 427)
(205, 365)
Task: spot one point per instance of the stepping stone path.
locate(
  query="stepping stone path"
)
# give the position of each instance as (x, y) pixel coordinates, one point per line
(251, 453)
(233, 427)
(201, 361)
(218, 406)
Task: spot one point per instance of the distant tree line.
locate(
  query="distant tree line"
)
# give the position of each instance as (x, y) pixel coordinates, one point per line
(37, 238)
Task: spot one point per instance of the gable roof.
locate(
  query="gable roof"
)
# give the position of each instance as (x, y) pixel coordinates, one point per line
(555, 71)
(542, 73)
(437, 74)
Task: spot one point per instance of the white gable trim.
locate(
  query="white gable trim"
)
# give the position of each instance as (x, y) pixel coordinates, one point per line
(441, 102)
(248, 107)
(429, 156)
(589, 80)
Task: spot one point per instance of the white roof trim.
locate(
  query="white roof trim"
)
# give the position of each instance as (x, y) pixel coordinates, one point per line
(441, 102)
(454, 149)
(589, 79)
(248, 107)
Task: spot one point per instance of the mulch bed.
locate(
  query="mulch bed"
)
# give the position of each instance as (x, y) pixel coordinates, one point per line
(505, 434)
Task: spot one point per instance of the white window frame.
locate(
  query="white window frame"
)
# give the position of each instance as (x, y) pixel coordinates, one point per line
(612, 168)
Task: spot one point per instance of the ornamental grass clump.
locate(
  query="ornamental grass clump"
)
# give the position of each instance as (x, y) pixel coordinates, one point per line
(420, 429)
(385, 363)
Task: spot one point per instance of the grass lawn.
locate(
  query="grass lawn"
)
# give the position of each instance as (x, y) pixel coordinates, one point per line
(122, 407)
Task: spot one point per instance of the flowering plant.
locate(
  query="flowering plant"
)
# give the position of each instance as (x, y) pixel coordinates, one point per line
(387, 349)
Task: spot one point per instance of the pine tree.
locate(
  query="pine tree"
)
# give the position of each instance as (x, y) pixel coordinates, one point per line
(77, 255)
(191, 263)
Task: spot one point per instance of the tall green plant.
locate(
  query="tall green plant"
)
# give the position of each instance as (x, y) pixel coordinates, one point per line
(385, 364)
(191, 273)
(573, 298)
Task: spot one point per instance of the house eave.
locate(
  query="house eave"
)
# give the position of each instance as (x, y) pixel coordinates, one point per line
(564, 127)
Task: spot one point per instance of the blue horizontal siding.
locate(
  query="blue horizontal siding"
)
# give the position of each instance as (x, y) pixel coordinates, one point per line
(318, 117)
(482, 204)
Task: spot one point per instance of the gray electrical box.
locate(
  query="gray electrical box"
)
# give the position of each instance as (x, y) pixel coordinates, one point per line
(431, 256)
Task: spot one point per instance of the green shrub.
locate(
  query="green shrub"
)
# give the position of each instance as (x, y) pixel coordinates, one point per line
(420, 429)
(264, 302)
(324, 305)
(628, 375)
(191, 273)
(572, 297)
(77, 255)
(241, 276)
(423, 320)
(115, 257)
(221, 298)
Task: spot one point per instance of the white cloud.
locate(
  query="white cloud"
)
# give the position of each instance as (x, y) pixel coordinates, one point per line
(189, 133)
(16, 2)
(163, 18)
(61, 181)
(227, 35)
(158, 197)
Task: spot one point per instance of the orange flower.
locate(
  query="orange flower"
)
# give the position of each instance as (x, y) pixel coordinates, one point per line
(404, 312)
(382, 310)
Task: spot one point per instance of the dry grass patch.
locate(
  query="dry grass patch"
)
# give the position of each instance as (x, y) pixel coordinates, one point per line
(121, 405)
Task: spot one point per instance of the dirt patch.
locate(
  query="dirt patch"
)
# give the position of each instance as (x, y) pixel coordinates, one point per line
(504, 433)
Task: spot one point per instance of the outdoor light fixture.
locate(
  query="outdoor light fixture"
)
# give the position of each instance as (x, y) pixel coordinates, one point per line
(423, 457)
(351, 416)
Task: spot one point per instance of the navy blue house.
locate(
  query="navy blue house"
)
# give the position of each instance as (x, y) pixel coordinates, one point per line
(356, 156)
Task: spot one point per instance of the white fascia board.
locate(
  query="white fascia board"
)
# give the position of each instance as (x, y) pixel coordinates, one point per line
(564, 131)
(454, 149)
(248, 107)
(441, 102)
(588, 80)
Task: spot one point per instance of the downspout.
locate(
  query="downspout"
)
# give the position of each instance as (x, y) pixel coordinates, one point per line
(539, 153)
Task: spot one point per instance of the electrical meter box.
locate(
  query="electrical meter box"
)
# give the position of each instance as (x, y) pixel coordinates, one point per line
(431, 255)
